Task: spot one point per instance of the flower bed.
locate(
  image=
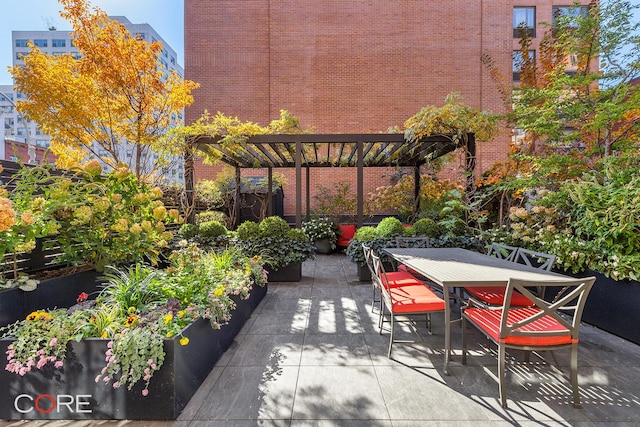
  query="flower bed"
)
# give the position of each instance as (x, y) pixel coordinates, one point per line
(72, 393)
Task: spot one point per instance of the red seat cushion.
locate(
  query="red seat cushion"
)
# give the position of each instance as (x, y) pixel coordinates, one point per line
(415, 298)
(494, 295)
(400, 278)
(489, 321)
(402, 267)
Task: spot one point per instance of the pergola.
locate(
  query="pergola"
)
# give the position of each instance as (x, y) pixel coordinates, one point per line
(304, 151)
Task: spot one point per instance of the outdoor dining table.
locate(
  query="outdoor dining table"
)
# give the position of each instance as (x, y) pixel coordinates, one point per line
(451, 268)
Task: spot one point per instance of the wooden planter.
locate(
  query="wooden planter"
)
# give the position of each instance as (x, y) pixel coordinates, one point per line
(288, 273)
(72, 393)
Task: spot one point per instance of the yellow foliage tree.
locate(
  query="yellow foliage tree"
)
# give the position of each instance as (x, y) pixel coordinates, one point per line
(114, 96)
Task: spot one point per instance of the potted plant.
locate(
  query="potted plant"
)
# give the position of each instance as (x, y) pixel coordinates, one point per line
(140, 350)
(322, 232)
(372, 237)
(282, 248)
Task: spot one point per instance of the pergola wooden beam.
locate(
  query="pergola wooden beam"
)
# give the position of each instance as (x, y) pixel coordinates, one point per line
(349, 150)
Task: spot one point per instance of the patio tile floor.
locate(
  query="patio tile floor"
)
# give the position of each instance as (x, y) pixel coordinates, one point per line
(311, 355)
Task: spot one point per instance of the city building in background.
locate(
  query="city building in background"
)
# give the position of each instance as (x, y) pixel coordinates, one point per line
(55, 42)
(342, 67)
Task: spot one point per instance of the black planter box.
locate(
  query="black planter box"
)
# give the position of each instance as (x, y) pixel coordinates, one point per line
(612, 305)
(322, 246)
(364, 274)
(288, 273)
(72, 393)
(58, 292)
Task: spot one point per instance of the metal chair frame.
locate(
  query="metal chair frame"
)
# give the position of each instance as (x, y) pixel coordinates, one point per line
(381, 280)
(570, 300)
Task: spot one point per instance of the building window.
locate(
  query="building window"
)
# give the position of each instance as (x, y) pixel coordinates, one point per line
(22, 131)
(524, 18)
(20, 55)
(76, 55)
(568, 13)
(42, 143)
(58, 43)
(140, 36)
(173, 61)
(40, 42)
(518, 62)
(21, 43)
(13, 158)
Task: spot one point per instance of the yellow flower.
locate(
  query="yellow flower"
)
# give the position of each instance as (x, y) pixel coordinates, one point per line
(184, 341)
(160, 213)
(169, 334)
(168, 318)
(219, 291)
(27, 218)
(104, 334)
(122, 226)
(136, 229)
(147, 225)
(156, 193)
(93, 168)
(174, 214)
(7, 214)
(131, 320)
(181, 314)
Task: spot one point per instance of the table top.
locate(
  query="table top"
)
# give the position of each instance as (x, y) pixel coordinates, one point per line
(455, 267)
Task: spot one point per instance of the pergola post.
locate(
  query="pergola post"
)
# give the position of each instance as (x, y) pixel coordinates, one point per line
(298, 183)
(236, 201)
(360, 184)
(416, 191)
(269, 191)
(308, 188)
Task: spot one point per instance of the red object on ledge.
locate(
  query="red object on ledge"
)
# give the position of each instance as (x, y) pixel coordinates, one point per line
(347, 231)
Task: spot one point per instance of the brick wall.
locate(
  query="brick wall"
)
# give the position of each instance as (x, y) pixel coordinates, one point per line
(346, 66)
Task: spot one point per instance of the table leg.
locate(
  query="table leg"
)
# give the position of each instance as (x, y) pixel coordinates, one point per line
(447, 329)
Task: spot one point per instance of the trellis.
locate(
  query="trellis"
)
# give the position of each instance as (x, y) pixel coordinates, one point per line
(304, 151)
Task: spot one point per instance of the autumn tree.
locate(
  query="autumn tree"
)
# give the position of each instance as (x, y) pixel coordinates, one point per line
(113, 97)
(577, 92)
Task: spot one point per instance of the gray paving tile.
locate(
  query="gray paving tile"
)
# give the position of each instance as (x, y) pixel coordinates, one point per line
(335, 349)
(265, 350)
(251, 393)
(338, 393)
(419, 394)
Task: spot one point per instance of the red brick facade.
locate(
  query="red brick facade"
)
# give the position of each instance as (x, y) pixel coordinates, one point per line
(346, 66)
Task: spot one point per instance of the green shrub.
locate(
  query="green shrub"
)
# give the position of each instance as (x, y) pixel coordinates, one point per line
(273, 226)
(248, 230)
(366, 233)
(211, 230)
(390, 227)
(187, 231)
(427, 227)
(207, 216)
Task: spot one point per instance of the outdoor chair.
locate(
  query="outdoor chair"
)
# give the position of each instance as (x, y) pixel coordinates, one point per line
(411, 242)
(403, 299)
(488, 296)
(394, 278)
(346, 233)
(543, 326)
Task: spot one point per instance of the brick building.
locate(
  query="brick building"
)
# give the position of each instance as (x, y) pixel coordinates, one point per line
(352, 67)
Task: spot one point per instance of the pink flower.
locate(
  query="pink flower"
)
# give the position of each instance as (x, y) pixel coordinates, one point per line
(116, 384)
(58, 364)
(145, 392)
(53, 342)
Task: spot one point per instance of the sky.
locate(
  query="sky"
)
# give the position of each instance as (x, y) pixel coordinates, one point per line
(165, 16)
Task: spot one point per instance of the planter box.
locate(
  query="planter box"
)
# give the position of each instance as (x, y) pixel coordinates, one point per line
(612, 305)
(364, 274)
(288, 273)
(58, 292)
(322, 246)
(71, 393)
